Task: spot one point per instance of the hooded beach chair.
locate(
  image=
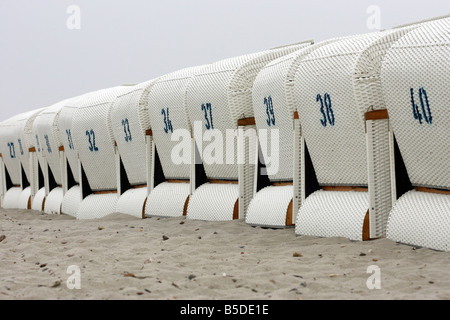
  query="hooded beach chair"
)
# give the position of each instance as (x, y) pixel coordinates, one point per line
(171, 132)
(219, 103)
(90, 153)
(275, 108)
(131, 129)
(346, 129)
(23, 148)
(51, 158)
(415, 83)
(10, 166)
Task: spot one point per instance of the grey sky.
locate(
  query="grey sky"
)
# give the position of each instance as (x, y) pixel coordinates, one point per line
(130, 41)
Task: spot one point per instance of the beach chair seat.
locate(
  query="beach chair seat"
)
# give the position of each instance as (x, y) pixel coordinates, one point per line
(219, 98)
(130, 125)
(415, 82)
(346, 129)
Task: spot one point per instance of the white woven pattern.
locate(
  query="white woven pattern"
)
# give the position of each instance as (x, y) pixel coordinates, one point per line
(132, 202)
(338, 152)
(333, 206)
(7, 136)
(97, 206)
(167, 200)
(167, 109)
(38, 200)
(46, 128)
(421, 219)
(28, 140)
(129, 133)
(213, 202)
(248, 147)
(24, 198)
(269, 207)
(92, 134)
(417, 66)
(11, 198)
(72, 201)
(54, 201)
(226, 87)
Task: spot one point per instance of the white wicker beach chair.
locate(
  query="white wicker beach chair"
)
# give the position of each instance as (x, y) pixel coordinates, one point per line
(275, 107)
(90, 154)
(10, 166)
(219, 98)
(168, 114)
(415, 82)
(131, 129)
(346, 128)
(51, 159)
(24, 147)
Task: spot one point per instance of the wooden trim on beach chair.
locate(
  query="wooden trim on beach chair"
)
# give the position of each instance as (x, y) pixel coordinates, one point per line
(366, 228)
(289, 215)
(177, 181)
(296, 116)
(236, 210)
(61, 148)
(246, 122)
(149, 132)
(345, 188)
(282, 184)
(377, 115)
(32, 150)
(216, 181)
(431, 190)
(105, 192)
(143, 208)
(186, 204)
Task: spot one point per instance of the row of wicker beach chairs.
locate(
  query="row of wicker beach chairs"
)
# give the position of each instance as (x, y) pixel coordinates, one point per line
(347, 137)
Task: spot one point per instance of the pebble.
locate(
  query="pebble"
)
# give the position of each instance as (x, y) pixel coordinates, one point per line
(191, 277)
(165, 238)
(297, 254)
(3, 237)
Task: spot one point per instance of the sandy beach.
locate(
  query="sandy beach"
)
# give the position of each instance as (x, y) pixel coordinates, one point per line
(120, 257)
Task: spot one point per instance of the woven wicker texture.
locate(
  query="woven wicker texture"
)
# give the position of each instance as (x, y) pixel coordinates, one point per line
(333, 206)
(53, 201)
(38, 199)
(71, 202)
(167, 200)
(337, 147)
(92, 135)
(415, 85)
(28, 140)
(269, 207)
(10, 147)
(132, 202)
(97, 206)
(221, 94)
(421, 219)
(167, 111)
(213, 202)
(129, 126)
(46, 128)
(11, 198)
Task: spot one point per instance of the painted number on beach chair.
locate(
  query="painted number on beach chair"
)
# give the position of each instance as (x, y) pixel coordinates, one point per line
(207, 108)
(20, 146)
(425, 107)
(167, 122)
(126, 129)
(38, 145)
(91, 136)
(69, 139)
(12, 151)
(269, 110)
(47, 142)
(326, 109)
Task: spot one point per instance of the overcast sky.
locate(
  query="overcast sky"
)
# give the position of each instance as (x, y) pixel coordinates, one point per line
(43, 61)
